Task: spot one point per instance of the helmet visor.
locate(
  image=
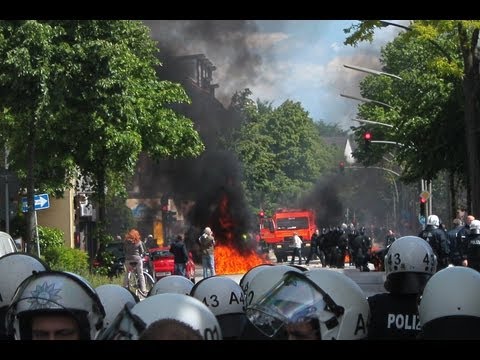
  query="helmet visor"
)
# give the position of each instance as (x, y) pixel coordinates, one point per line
(125, 326)
(294, 299)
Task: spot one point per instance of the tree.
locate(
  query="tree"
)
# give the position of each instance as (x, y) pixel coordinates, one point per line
(85, 93)
(443, 37)
(281, 151)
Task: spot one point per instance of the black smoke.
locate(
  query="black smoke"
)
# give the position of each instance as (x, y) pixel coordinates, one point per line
(325, 201)
(224, 42)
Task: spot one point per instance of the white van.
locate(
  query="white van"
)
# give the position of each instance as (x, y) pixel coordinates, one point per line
(7, 245)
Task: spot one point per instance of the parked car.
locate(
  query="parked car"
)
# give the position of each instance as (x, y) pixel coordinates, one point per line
(7, 245)
(115, 252)
(163, 263)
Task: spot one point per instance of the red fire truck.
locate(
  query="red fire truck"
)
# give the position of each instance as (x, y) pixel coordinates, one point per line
(276, 232)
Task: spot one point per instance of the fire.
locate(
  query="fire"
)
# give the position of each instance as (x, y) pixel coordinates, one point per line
(228, 260)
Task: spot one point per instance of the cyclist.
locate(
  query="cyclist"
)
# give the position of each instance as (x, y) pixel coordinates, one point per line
(133, 250)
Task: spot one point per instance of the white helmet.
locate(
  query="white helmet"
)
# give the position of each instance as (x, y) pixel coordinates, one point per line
(131, 322)
(264, 280)
(450, 304)
(409, 263)
(176, 284)
(335, 301)
(16, 267)
(433, 220)
(475, 227)
(249, 275)
(113, 298)
(56, 292)
(345, 293)
(226, 300)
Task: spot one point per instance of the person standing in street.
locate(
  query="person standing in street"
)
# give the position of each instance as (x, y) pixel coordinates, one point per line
(207, 247)
(179, 251)
(297, 250)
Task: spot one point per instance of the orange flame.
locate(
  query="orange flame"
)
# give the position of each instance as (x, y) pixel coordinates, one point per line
(228, 260)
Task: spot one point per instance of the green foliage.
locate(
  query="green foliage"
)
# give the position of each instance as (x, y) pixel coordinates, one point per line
(96, 279)
(427, 111)
(85, 94)
(66, 259)
(281, 149)
(106, 267)
(49, 238)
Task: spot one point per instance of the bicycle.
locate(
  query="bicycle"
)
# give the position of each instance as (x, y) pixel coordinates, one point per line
(133, 282)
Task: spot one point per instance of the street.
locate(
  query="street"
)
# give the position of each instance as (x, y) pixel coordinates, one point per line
(370, 282)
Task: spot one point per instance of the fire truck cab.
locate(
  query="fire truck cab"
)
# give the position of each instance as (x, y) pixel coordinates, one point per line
(276, 232)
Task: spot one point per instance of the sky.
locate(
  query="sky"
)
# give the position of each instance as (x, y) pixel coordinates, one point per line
(300, 60)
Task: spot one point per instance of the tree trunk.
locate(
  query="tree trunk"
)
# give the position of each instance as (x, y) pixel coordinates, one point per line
(30, 215)
(471, 90)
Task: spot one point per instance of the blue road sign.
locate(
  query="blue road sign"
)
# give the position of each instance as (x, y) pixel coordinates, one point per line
(42, 201)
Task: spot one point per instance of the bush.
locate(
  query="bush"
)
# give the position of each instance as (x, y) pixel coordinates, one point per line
(66, 259)
(96, 280)
(49, 238)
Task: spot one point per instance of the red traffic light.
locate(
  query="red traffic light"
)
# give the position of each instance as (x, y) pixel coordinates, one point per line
(261, 214)
(423, 200)
(367, 136)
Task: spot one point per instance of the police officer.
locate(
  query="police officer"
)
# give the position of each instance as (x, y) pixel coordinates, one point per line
(471, 252)
(437, 238)
(314, 243)
(409, 264)
(454, 243)
(362, 245)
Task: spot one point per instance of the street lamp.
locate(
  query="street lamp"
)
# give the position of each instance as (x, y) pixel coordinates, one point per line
(370, 71)
(367, 100)
(372, 122)
(434, 43)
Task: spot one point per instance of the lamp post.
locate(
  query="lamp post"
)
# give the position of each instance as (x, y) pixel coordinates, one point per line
(370, 71)
(367, 100)
(434, 43)
(7, 207)
(425, 184)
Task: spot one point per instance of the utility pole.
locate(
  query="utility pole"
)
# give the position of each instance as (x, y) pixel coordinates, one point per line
(7, 195)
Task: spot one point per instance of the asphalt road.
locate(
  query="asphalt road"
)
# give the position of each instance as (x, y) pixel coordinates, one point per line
(370, 282)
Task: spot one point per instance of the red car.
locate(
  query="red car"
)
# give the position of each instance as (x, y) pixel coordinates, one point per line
(162, 263)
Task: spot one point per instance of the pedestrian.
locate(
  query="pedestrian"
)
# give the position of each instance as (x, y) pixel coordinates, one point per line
(150, 243)
(297, 249)
(180, 253)
(207, 248)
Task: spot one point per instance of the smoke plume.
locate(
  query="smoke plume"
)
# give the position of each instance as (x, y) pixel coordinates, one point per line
(224, 42)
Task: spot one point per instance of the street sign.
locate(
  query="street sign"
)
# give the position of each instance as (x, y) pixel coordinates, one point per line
(421, 220)
(425, 195)
(41, 202)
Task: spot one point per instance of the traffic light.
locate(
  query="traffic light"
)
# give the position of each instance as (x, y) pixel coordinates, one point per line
(423, 207)
(261, 214)
(341, 167)
(368, 139)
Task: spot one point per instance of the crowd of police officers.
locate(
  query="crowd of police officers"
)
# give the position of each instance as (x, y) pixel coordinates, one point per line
(426, 297)
(335, 244)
